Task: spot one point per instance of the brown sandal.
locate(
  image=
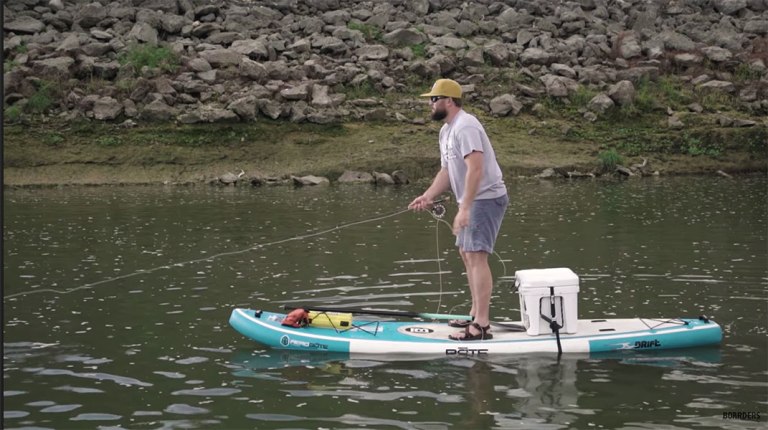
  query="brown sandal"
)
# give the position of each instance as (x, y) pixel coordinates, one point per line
(483, 335)
(460, 323)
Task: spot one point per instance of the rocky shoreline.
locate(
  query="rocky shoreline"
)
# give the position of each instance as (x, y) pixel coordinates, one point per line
(325, 61)
(680, 83)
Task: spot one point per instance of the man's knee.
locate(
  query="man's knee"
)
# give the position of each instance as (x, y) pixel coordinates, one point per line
(475, 257)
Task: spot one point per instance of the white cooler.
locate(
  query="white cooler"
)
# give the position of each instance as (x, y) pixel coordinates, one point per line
(538, 288)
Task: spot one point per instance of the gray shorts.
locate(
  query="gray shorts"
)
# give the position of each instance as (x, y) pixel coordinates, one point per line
(485, 218)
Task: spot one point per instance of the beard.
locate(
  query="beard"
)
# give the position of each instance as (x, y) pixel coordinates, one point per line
(439, 115)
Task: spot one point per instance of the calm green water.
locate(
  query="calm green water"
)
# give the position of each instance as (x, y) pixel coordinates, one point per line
(135, 334)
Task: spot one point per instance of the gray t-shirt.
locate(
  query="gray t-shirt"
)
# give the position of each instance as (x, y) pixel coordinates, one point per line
(460, 138)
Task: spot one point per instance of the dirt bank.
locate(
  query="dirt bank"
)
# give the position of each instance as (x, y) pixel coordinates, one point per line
(93, 153)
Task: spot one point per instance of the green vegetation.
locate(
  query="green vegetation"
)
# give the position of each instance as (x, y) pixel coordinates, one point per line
(12, 114)
(42, 99)
(371, 32)
(609, 160)
(152, 56)
(699, 145)
(53, 139)
(581, 98)
(419, 50)
(108, 141)
(714, 100)
(9, 65)
(156, 152)
(363, 90)
(745, 72)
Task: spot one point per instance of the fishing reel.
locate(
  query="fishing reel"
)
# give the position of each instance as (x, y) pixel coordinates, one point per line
(438, 209)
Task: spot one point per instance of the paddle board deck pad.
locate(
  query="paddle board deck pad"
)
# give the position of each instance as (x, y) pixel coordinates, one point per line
(398, 337)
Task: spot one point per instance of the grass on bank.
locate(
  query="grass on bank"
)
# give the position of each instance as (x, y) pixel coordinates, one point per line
(139, 56)
(524, 145)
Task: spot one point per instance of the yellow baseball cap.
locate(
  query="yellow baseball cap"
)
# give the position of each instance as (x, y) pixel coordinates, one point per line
(445, 88)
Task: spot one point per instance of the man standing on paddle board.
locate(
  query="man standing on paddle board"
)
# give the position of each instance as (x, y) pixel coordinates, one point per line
(468, 166)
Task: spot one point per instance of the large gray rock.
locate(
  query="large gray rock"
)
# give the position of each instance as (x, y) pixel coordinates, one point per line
(729, 7)
(404, 37)
(559, 86)
(419, 7)
(562, 70)
(497, 53)
(107, 108)
(96, 49)
(336, 17)
(56, 66)
(505, 104)
(25, 25)
(330, 45)
(352, 177)
(254, 49)
(629, 47)
(170, 7)
(450, 42)
(208, 114)
(687, 59)
(270, 108)
(56, 4)
(380, 178)
(244, 107)
(199, 65)
(253, 70)
(473, 57)
(372, 52)
(536, 56)
(717, 54)
(309, 180)
(400, 177)
(143, 32)
(221, 57)
(91, 14)
(677, 42)
(320, 96)
(622, 93)
(757, 26)
(105, 69)
(70, 43)
(173, 24)
(298, 92)
(600, 103)
(158, 110)
(637, 74)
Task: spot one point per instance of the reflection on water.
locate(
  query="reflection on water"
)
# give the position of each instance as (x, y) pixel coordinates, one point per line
(137, 334)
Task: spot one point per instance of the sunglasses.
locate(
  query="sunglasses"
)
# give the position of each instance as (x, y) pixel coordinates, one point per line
(435, 99)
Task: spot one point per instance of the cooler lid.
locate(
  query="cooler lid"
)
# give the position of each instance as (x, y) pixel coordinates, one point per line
(544, 278)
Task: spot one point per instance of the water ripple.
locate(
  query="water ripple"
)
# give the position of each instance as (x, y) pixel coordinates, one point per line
(14, 414)
(192, 360)
(60, 408)
(122, 380)
(96, 417)
(389, 396)
(206, 392)
(185, 409)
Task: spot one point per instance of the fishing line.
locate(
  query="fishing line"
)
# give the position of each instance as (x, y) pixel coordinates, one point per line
(437, 212)
(209, 258)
